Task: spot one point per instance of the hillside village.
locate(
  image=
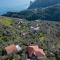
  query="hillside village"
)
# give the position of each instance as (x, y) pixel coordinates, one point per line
(23, 33)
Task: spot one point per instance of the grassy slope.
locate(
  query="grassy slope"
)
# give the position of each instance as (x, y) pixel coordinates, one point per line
(5, 21)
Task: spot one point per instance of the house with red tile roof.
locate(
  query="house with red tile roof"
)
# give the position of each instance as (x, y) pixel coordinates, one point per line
(35, 50)
(12, 49)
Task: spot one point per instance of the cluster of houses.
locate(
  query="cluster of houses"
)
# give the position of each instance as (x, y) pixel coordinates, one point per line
(32, 51)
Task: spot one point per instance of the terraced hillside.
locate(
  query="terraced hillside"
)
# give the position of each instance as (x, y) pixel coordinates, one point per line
(12, 30)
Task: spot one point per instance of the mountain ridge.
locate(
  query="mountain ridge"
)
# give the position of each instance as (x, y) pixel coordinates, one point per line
(43, 3)
(49, 13)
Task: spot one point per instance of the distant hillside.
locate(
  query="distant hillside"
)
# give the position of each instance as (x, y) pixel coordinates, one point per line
(43, 3)
(48, 13)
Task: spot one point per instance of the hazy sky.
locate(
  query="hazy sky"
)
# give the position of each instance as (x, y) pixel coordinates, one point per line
(14, 3)
(6, 5)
